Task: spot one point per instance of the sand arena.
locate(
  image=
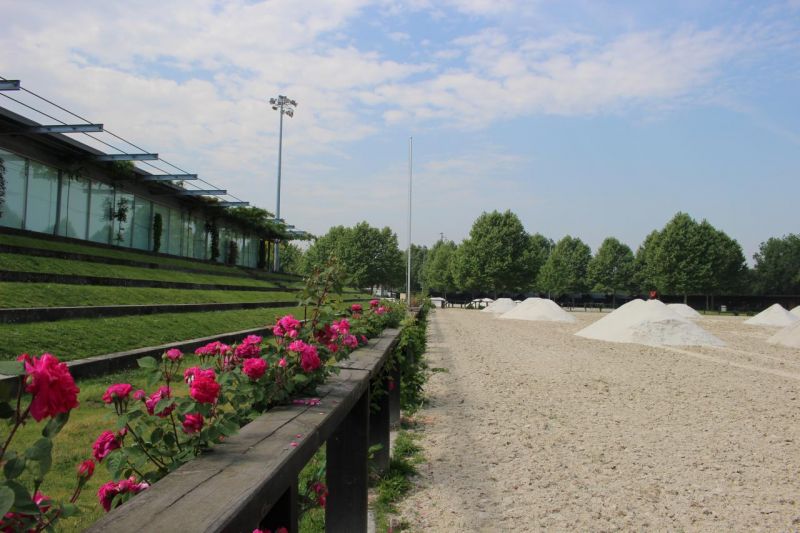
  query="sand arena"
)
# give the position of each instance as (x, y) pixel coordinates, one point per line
(534, 428)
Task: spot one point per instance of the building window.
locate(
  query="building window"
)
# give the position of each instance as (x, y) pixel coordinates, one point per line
(175, 228)
(42, 198)
(74, 207)
(12, 212)
(122, 218)
(101, 204)
(142, 223)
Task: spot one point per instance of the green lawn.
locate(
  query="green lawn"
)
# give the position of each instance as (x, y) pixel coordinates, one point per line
(33, 242)
(26, 263)
(58, 295)
(76, 339)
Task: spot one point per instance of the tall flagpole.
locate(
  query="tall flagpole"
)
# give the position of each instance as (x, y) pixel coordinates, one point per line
(408, 250)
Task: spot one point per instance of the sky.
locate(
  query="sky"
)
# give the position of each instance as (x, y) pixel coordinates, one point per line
(585, 118)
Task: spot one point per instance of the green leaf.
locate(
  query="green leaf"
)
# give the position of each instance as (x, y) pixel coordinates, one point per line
(23, 503)
(12, 368)
(13, 468)
(122, 421)
(300, 379)
(228, 427)
(6, 500)
(147, 362)
(115, 462)
(55, 425)
(6, 411)
(69, 509)
(40, 450)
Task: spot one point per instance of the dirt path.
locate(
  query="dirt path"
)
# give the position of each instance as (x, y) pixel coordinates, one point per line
(533, 428)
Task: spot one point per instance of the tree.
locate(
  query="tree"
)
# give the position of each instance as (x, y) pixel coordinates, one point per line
(611, 269)
(419, 255)
(536, 255)
(687, 257)
(644, 275)
(728, 267)
(777, 268)
(464, 270)
(495, 254)
(565, 269)
(369, 256)
(680, 261)
(437, 272)
(291, 257)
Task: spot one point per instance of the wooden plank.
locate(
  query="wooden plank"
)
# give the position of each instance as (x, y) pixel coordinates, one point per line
(346, 473)
(379, 427)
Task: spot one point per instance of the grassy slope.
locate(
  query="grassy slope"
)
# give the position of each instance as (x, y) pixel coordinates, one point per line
(75, 339)
(55, 295)
(33, 242)
(76, 268)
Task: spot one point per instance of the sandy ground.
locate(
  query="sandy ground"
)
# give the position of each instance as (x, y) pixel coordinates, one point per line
(533, 428)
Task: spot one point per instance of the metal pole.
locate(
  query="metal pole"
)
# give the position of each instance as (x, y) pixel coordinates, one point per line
(408, 251)
(277, 265)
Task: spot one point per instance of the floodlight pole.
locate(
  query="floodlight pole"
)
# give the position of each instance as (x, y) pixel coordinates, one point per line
(283, 105)
(408, 250)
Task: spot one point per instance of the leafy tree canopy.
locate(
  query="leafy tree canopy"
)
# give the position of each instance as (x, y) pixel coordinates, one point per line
(437, 271)
(777, 268)
(565, 268)
(612, 268)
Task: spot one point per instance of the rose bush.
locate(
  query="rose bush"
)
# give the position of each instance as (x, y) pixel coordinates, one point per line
(45, 391)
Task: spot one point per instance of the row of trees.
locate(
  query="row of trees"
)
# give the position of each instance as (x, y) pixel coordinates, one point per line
(499, 256)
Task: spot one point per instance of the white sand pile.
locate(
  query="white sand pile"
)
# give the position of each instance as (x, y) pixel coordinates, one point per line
(684, 310)
(775, 315)
(788, 336)
(796, 311)
(500, 306)
(649, 322)
(539, 309)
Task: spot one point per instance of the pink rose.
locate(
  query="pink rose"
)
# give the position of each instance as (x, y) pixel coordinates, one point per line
(309, 359)
(152, 402)
(364, 339)
(105, 444)
(204, 389)
(139, 395)
(190, 373)
(247, 350)
(51, 385)
(86, 470)
(173, 354)
(297, 346)
(254, 368)
(107, 492)
(374, 303)
(118, 391)
(381, 310)
(342, 327)
(356, 308)
(192, 423)
(350, 341)
(282, 362)
(252, 339)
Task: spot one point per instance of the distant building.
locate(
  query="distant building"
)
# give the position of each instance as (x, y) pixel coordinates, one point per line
(55, 185)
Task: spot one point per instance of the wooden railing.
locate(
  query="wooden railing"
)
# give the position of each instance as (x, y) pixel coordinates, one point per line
(252, 479)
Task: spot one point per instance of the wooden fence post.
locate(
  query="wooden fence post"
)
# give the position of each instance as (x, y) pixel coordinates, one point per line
(347, 475)
(379, 427)
(394, 397)
(285, 512)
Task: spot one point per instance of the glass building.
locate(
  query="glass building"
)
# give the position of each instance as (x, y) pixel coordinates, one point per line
(54, 186)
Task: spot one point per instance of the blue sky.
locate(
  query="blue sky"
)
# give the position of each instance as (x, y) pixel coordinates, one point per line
(586, 118)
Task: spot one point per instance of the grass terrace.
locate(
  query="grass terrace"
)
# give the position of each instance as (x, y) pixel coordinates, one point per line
(14, 295)
(88, 249)
(25, 263)
(75, 339)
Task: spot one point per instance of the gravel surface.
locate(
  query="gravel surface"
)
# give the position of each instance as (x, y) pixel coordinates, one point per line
(533, 428)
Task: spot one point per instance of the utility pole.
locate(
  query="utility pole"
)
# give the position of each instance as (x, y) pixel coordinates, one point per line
(286, 107)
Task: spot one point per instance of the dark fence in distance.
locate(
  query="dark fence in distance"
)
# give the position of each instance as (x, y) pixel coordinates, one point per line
(252, 480)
